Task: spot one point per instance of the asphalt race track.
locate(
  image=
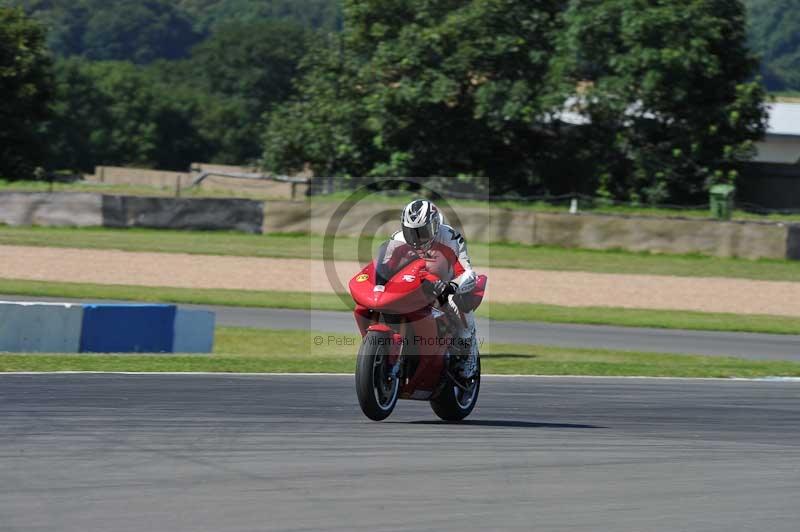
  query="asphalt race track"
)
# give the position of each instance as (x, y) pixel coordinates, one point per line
(197, 453)
(744, 345)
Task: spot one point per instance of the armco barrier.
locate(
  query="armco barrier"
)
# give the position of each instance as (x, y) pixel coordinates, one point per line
(65, 328)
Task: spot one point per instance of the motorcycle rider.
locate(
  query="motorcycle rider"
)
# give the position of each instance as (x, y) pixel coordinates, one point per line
(423, 228)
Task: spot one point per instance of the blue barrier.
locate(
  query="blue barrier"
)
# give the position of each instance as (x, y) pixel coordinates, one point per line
(128, 328)
(64, 328)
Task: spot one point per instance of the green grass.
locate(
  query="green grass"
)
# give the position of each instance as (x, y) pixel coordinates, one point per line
(483, 255)
(234, 298)
(251, 350)
(666, 319)
(560, 259)
(659, 319)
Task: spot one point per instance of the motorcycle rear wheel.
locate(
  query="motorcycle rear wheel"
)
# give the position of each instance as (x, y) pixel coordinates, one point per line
(454, 403)
(377, 386)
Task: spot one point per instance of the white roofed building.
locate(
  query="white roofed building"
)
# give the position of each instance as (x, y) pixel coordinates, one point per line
(771, 181)
(782, 141)
(768, 182)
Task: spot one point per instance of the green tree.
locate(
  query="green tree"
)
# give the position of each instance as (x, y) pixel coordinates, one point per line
(669, 89)
(774, 35)
(115, 113)
(435, 87)
(326, 124)
(25, 93)
(65, 21)
(132, 30)
(137, 30)
(256, 60)
(247, 68)
(310, 14)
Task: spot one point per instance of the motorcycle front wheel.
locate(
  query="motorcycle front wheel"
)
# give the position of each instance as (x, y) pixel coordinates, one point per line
(377, 384)
(457, 400)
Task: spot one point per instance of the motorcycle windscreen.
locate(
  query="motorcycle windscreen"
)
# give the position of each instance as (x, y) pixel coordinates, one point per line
(392, 257)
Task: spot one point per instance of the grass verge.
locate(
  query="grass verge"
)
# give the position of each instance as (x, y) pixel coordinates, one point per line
(483, 255)
(663, 319)
(190, 296)
(253, 351)
(658, 319)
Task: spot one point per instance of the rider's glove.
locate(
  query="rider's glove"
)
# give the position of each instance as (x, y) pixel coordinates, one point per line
(449, 290)
(452, 288)
(439, 289)
(434, 288)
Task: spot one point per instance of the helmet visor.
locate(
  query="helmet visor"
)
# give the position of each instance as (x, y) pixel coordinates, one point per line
(419, 237)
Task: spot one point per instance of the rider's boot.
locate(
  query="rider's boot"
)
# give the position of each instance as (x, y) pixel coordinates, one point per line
(465, 349)
(467, 363)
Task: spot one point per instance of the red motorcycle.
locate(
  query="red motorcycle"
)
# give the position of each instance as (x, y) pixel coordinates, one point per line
(407, 350)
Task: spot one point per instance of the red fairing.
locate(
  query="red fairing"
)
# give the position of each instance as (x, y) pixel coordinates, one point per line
(364, 318)
(399, 295)
(397, 346)
(424, 335)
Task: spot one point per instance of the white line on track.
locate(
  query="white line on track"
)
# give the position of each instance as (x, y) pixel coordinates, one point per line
(224, 374)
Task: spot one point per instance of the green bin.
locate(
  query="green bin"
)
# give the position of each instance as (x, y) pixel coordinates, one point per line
(722, 201)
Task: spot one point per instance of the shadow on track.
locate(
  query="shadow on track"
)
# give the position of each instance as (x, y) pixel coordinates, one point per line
(506, 423)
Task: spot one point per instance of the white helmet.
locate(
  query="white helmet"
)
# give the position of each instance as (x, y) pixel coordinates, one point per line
(421, 220)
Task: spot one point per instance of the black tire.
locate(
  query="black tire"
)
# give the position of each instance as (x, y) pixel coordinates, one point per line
(449, 405)
(377, 391)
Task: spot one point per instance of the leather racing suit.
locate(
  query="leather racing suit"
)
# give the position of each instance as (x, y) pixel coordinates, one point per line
(450, 244)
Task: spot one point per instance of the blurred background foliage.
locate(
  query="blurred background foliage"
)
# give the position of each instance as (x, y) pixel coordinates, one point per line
(418, 88)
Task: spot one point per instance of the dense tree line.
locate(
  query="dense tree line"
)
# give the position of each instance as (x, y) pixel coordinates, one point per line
(481, 87)
(161, 83)
(142, 31)
(166, 114)
(25, 92)
(164, 29)
(774, 30)
(664, 92)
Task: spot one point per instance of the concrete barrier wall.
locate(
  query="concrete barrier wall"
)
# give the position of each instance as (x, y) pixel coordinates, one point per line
(479, 224)
(751, 240)
(40, 327)
(708, 237)
(57, 209)
(65, 328)
(793, 242)
(183, 213)
(194, 331)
